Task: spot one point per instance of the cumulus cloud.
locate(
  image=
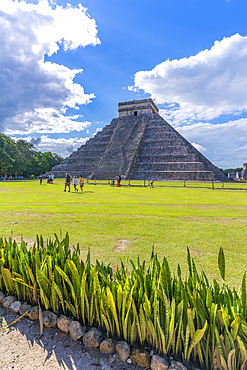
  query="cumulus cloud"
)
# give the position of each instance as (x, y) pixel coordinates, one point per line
(199, 147)
(44, 120)
(224, 144)
(61, 146)
(34, 93)
(200, 87)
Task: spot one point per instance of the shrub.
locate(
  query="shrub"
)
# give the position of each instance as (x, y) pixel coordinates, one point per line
(191, 319)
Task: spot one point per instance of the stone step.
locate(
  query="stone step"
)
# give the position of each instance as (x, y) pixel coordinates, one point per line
(170, 166)
(90, 156)
(99, 148)
(161, 157)
(161, 141)
(159, 149)
(100, 141)
(150, 134)
(174, 175)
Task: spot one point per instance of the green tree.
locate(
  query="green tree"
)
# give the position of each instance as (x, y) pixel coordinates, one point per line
(23, 158)
(43, 162)
(20, 158)
(7, 154)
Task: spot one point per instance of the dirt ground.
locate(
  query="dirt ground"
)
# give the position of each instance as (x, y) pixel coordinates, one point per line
(22, 348)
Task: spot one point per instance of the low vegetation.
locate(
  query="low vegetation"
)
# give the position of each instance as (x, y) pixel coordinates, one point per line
(199, 321)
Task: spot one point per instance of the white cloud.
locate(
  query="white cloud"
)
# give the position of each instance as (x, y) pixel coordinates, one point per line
(44, 121)
(225, 144)
(98, 129)
(61, 146)
(132, 88)
(199, 147)
(70, 26)
(32, 90)
(201, 87)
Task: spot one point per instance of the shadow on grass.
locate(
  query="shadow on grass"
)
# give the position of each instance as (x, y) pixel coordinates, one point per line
(81, 192)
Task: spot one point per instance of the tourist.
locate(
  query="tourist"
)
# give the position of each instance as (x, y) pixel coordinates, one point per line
(119, 178)
(81, 182)
(75, 183)
(67, 181)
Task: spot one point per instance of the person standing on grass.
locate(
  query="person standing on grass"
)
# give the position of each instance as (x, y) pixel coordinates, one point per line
(40, 179)
(119, 180)
(81, 182)
(67, 181)
(75, 183)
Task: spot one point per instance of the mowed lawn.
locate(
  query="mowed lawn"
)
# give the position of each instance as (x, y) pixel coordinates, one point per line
(127, 222)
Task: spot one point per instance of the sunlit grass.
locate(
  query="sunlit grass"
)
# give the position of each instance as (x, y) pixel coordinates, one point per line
(127, 222)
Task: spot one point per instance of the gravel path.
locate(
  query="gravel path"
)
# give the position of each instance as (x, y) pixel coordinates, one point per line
(22, 348)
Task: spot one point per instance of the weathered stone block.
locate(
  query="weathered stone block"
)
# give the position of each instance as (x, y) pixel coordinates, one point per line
(140, 357)
(93, 338)
(2, 296)
(158, 363)
(49, 319)
(63, 323)
(15, 306)
(8, 301)
(34, 313)
(76, 331)
(123, 350)
(107, 347)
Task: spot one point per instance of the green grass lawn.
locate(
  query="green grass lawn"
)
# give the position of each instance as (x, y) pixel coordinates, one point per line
(126, 222)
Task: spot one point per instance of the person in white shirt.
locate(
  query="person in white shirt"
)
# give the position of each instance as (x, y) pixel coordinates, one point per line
(75, 183)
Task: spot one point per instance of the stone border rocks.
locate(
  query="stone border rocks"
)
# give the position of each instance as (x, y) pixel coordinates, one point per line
(93, 338)
(123, 350)
(76, 331)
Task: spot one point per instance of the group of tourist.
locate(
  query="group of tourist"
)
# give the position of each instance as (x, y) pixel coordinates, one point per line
(49, 178)
(118, 179)
(80, 181)
(74, 180)
(5, 178)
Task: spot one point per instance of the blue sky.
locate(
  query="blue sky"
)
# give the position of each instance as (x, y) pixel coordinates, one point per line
(65, 65)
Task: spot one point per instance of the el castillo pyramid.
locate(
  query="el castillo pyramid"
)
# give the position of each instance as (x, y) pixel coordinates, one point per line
(139, 145)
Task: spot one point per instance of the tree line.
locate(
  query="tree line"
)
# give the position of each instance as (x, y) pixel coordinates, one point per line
(18, 158)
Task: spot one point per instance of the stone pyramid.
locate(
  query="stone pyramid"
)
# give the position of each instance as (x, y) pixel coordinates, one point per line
(140, 145)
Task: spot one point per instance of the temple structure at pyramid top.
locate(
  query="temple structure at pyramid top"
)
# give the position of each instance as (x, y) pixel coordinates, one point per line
(140, 145)
(137, 107)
